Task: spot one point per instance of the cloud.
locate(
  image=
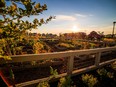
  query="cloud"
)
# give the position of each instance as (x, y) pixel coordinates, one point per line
(65, 18)
(83, 15)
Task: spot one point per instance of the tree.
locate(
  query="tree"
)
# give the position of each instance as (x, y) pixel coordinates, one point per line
(12, 25)
(101, 35)
(81, 35)
(95, 36)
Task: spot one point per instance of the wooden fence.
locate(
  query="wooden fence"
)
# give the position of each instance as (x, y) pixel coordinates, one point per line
(97, 53)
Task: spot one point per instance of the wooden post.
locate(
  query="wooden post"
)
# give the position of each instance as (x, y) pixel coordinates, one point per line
(70, 65)
(97, 59)
(113, 29)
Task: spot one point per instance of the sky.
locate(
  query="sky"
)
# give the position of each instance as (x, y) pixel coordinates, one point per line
(77, 16)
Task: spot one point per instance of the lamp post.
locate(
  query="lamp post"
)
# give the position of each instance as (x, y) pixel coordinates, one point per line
(113, 29)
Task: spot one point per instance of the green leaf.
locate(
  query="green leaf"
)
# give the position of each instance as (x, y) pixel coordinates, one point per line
(37, 6)
(51, 70)
(11, 74)
(14, 7)
(2, 3)
(6, 57)
(42, 21)
(55, 72)
(44, 7)
(35, 21)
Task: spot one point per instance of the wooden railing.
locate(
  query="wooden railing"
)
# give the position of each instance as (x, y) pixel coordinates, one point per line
(70, 63)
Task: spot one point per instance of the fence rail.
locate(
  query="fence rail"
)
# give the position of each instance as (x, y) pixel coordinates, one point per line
(70, 63)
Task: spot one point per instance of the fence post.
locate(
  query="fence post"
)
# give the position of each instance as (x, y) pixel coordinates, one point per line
(97, 59)
(70, 65)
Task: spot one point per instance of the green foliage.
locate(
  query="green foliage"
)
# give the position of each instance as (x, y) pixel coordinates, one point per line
(65, 82)
(43, 84)
(37, 47)
(110, 75)
(13, 27)
(89, 80)
(2, 3)
(11, 74)
(113, 65)
(66, 45)
(92, 45)
(53, 72)
(33, 63)
(2, 52)
(104, 73)
(6, 57)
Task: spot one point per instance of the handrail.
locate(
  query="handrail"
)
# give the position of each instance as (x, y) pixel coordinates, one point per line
(41, 56)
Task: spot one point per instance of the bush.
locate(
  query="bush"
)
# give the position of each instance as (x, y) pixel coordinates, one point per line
(43, 84)
(104, 73)
(65, 82)
(89, 80)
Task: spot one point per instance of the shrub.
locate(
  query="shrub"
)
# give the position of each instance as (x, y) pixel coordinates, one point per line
(53, 73)
(113, 65)
(89, 80)
(43, 84)
(104, 73)
(65, 82)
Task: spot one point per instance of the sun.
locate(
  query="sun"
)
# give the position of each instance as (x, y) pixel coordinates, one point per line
(75, 29)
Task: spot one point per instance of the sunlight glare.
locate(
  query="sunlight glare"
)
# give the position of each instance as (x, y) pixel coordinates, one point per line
(75, 29)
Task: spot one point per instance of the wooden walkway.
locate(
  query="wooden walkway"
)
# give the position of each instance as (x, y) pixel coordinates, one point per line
(67, 63)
